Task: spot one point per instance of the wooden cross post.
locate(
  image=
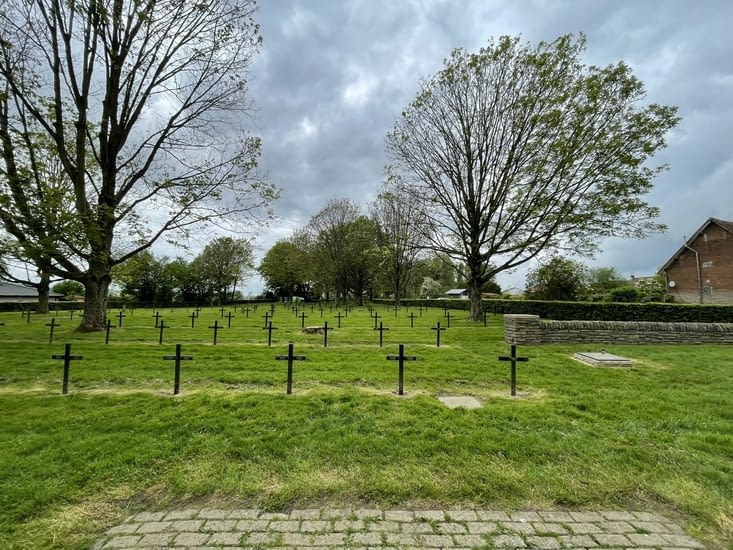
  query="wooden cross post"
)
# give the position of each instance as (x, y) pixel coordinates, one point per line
(120, 316)
(53, 325)
(514, 360)
(302, 319)
(396, 309)
(272, 309)
(437, 334)
(216, 328)
(157, 318)
(67, 358)
(376, 316)
(339, 317)
(295, 310)
(162, 326)
(381, 330)
(269, 328)
(229, 319)
(420, 309)
(193, 317)
(197, 310)
(401, 357)
(177, 373)
(266, 316)
(447, 314)
(246, 312)
(221, 309)
(290, 358)
(106, 332)
(412, 319)
(325, 334)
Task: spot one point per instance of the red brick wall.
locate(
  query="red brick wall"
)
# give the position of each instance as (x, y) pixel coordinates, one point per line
(715, 249)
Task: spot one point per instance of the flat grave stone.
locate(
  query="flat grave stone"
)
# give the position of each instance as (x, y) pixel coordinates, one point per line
(602, 359)
(456, 401)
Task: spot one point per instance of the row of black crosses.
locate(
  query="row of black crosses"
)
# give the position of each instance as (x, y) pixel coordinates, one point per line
(67, 357)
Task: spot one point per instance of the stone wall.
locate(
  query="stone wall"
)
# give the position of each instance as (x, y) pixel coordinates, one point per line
(530, 329)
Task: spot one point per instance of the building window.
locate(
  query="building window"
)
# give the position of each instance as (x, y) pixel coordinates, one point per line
(707, 290)
(709, 263)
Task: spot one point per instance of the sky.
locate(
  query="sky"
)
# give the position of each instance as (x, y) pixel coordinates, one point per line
(333, 76)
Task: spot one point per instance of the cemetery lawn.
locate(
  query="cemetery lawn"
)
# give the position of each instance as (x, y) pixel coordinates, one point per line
(656, 437)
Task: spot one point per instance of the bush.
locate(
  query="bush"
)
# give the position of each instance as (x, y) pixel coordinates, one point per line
(625, 294)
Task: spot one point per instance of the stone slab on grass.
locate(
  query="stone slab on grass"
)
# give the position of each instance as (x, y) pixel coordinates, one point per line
(456, 401)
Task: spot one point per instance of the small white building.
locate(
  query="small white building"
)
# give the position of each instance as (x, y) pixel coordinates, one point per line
(457, 294)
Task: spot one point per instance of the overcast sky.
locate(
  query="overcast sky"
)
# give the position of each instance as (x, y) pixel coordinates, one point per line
(334, 75)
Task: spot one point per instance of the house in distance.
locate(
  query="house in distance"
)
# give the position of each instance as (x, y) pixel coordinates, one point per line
(701, 271)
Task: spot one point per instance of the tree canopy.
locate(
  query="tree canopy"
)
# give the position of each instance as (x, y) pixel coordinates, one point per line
(519, 149)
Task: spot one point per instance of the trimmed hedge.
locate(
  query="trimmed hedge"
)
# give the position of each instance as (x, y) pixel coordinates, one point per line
(594, 311)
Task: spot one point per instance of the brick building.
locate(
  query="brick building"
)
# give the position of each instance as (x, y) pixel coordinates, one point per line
(701, 271)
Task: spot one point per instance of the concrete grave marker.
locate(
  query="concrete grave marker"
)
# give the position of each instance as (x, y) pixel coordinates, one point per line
(457, 401)
(602, 359)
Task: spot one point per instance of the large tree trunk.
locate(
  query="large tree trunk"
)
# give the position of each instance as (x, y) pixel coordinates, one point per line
(96, 290)
(43, 287)
(474, 295)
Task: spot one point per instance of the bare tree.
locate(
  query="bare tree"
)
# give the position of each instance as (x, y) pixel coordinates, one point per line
(402, 235)
(143, 101)
(517, 149)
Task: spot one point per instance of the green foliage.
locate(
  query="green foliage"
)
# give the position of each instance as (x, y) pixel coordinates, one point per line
(626, 293)
(69, 288)
(285, 270)
(558, 279)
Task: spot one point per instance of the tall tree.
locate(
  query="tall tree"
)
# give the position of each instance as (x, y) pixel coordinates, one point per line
(402, 236)
(518, 149)
(143, 102)
(285, 269)
(558, 279)
(224, 263)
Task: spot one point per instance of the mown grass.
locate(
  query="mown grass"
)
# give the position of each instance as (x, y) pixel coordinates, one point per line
(655, 437)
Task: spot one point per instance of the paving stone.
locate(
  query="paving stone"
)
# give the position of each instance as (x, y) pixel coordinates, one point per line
(157, 539)
(187, 525)
(344, 525)
(315, 526)
(551, 528)
(123, 529)
(155, 527)
(674, 529)
(525, 516)
(451, 527)
(213, 513)
(219, 525)
(544, 543)
(226, 539)
(587, 516)
(243, 514)
(564, 517)
(488, 515)
(284, 525)
(335, 513)
(577, 541)
(384, 526)
(305, 514)
(519, 527)
(368, 513)
(682, 541)
(399, 515)
(469, 541)
(646, 539)
(439, 541)
(273, 515)
(149, 516)
(417, 527)
(462, 515)
(258, 537)
(616, 527)
(438, 515)
(647, 516)
(403, 539)
(618, 516)
(191, 539)
(481, 527)
(189, 513)
(508, 541)
(252, 524)
(611, 539)
(124, 541)
(650, 526)
(585, 528)
(366, 539)
(329, 539)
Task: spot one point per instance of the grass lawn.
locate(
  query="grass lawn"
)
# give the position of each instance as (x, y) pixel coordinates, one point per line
(656, 437)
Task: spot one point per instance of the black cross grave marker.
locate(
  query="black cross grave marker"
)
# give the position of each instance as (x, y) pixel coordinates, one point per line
(376, 316)
(246, 312)
(162, 326)
(412, 319)
(177, 373)
(514, 360)
(28, 316)
(157, 318)
(302, 319)
(222, 308)
(229, 316)
(325, 334)
(420, 309)
(193, 317)
(53, 325)
(381, 330)
(339, 317)
(447, 314)
(120, 316)
(401, 357)
(267, 318)
(108, 327)
(396, 309)
(269, 328)
(437, 330)
(67, 358)
(290, 358)
(217, 327)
